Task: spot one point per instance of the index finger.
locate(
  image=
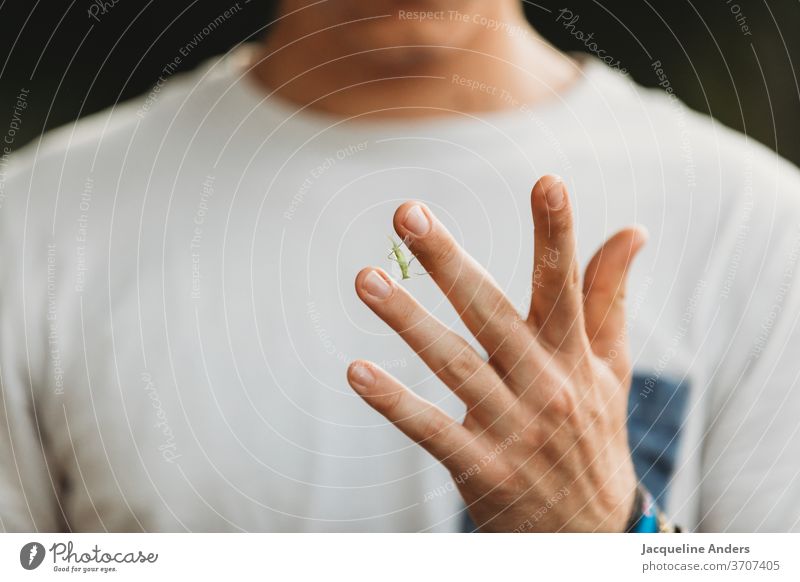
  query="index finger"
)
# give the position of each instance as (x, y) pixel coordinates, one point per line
(486, 311)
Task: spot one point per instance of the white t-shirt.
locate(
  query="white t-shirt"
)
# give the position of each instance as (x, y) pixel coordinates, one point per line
(177, 307)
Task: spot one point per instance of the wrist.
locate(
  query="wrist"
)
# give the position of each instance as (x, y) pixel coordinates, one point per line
(643, 518)
(646, 517)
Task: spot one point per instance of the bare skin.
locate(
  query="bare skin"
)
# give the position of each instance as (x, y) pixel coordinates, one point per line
(546, 413)
(355, 58)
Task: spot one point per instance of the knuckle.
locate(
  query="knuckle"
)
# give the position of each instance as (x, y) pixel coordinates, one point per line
(557, 279)
(535, 436)
(611, 291)
(433, 425)
(574, 277)
(444, 251)
(561, 403)
(388, 404)
(458, 368)
(511, 486)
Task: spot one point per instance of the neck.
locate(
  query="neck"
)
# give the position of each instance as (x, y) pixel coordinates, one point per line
(352, 67)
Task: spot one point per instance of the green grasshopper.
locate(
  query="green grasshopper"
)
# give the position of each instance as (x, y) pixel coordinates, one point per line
(397, 255)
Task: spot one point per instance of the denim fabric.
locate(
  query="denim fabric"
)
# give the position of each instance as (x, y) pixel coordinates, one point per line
(656, 410)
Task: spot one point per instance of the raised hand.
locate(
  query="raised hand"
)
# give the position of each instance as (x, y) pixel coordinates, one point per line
(543, 446)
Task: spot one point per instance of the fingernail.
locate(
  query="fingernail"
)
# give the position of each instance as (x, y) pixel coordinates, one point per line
(376, 285)
(361, 376)
(555, 195)
(416, 221)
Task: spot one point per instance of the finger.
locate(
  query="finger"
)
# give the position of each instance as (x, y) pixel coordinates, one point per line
(443, 437)
(446, 353)
(556, 305)
(604, 297)
(480, 303)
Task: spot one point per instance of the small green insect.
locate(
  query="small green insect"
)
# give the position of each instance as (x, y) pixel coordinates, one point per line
(397, 255)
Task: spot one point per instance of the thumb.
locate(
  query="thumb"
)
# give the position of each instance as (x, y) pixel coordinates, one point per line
(604, 297)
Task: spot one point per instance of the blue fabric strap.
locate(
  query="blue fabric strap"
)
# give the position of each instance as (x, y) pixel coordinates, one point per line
(648, 520)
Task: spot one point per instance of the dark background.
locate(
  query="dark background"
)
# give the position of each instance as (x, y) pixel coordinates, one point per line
(73, 65)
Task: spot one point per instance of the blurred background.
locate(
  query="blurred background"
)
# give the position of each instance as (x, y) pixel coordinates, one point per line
(733, 59)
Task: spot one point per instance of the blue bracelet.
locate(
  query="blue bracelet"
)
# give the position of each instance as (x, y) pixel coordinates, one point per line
(647, 521)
